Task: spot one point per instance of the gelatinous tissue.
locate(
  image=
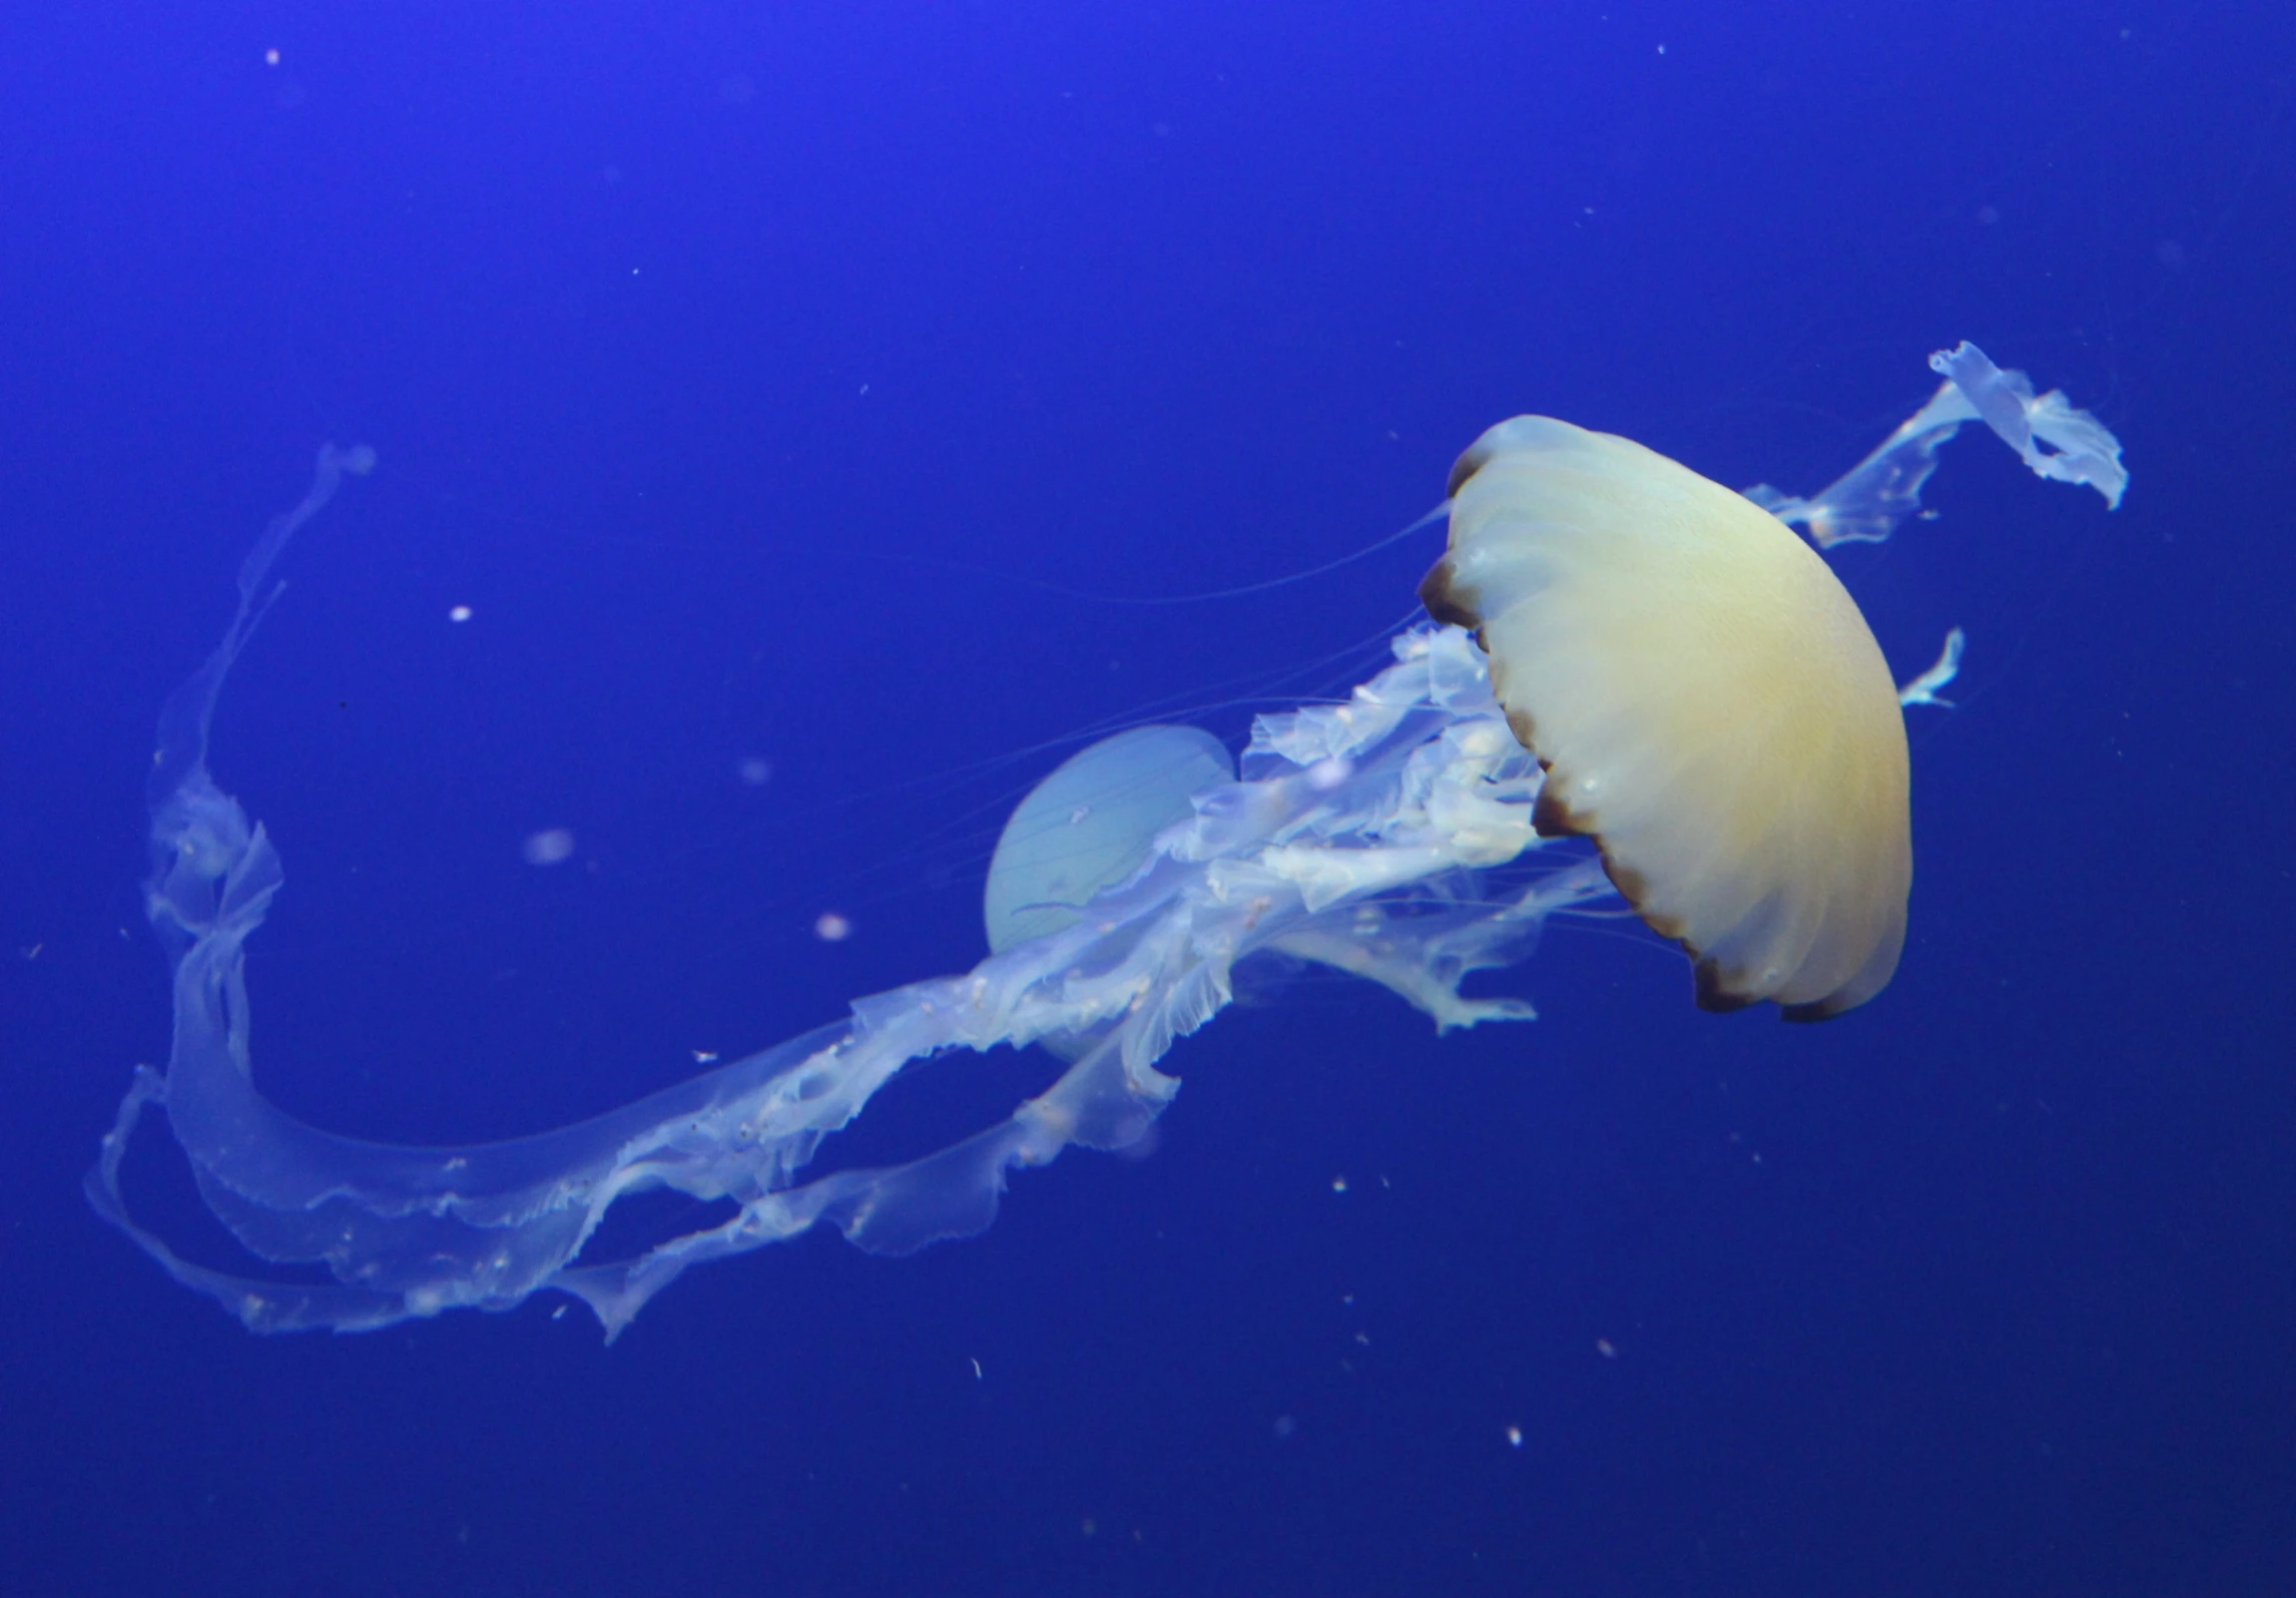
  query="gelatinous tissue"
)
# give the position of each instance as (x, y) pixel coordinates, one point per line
(1389, 837)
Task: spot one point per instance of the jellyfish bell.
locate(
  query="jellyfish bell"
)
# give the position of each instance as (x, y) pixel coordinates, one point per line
(1709, 704)
(1090, 825)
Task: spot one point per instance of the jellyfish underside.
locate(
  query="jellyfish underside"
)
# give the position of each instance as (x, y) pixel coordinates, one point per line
(1403, 835)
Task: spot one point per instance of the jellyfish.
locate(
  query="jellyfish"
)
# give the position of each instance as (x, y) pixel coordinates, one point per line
(1614, 683)
(1091, 823)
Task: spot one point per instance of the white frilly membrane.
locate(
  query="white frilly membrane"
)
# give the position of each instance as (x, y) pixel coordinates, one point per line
(1390, 837)
(1866, 503)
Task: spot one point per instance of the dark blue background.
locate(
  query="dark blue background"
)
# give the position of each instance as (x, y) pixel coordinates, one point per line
(749, 369)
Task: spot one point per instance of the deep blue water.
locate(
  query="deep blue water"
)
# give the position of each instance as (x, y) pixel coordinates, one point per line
(750, 372)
